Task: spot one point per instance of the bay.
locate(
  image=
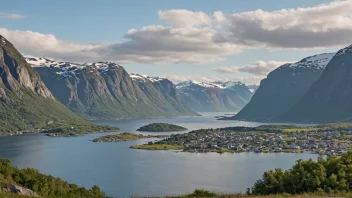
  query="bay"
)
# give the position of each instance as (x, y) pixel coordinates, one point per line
(121, 171)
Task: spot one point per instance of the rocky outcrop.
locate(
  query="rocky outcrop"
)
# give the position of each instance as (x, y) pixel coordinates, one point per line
(25, 102)
(11, 188)
(15, 73)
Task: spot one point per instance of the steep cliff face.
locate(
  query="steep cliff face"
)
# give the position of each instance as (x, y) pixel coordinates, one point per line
(107, 91)
(330, 98)
(164, 92)
(15, 73)
(216, 96)
(25, 102)
(283, 88)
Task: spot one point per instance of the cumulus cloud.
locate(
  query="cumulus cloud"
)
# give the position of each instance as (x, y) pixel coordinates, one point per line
(151, 44)
(258, 68)
(248, 80)
(325, 25)
(11, 16)
(184, 18)
(199, 37)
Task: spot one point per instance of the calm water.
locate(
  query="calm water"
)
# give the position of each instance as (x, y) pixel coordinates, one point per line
(121, 171)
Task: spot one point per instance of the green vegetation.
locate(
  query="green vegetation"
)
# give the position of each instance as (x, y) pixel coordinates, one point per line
(27, 106)
(151, 146)
(125, 137)
(161, 127)
(202, 193)
(332, 176)
(33, 113)
(206, 193)
(45, 185)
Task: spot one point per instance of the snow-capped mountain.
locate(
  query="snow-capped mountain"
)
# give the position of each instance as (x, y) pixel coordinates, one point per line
(314, 63)
(329, 98)
(214, 96)
(69, 69)
(284, 87)
(145, 78)
(105, 90)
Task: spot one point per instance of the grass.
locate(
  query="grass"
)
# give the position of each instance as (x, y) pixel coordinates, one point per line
(125, 137)
(157, 147)
(206, 193)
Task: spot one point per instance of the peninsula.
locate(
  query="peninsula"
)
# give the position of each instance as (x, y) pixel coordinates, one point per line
(333, 139)
(161, 127)
(125, 137)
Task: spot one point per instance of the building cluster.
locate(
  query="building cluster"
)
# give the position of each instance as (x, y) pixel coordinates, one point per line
(329, 143)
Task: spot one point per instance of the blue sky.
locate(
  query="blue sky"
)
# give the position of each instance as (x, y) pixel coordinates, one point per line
(106, 22)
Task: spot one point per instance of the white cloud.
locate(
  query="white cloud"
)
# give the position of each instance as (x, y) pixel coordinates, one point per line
(219, 17)
(325, 25)
(151, 44)
(184, 18)
(260, 68)
(47, 45)
(11, 16)
(198, 37)
(248, 80)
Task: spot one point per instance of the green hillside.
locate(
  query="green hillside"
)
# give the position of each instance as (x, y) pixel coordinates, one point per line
(27, 105)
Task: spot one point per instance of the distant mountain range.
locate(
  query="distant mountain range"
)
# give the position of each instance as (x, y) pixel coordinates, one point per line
(215, 96)
(283, 88)
(25, 102)
(105, 90)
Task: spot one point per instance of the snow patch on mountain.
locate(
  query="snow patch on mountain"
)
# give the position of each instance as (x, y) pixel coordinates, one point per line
(69, 69)
(344, 51)
(317, 62)
(216, 85)
(145, 78)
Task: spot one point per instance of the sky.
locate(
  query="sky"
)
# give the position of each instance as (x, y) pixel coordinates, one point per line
(203, 40)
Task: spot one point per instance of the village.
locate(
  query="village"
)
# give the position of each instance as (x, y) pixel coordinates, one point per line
(215, 140)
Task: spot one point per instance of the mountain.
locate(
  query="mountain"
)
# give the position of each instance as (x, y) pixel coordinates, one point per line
(253, 88)
(283, 88)
(215, 96)
(330, 98)
(25, 102)
(105, 90)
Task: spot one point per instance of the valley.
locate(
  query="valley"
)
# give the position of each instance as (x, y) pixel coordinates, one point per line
(208, 99)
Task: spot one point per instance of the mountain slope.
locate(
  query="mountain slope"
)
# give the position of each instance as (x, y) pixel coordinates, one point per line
(283, 88)
(217, 96)
(25, 102)
(106, 91)
(330, 98)
(253, 88)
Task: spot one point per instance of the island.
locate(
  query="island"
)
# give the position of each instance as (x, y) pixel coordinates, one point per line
(332, 139)
(71, 131)
(161, 127)
(125, 137)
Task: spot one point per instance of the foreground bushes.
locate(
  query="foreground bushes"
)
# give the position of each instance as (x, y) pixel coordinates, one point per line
(331, 175)
(44, 185)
